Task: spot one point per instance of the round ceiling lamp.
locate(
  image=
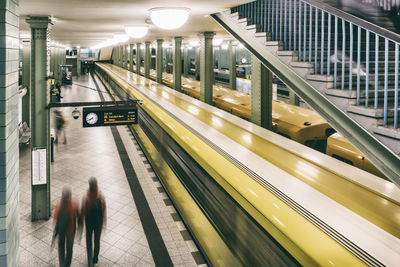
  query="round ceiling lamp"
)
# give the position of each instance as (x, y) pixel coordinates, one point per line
(121, 38)
(169, 18)
(136, 32)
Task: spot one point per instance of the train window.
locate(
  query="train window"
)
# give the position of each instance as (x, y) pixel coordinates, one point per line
(329, 131)
(343, 159)
(317, 144)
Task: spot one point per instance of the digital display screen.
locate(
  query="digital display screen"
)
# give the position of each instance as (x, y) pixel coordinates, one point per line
(109, 116)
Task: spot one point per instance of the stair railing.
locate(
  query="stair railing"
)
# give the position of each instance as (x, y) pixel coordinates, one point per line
(356, 54)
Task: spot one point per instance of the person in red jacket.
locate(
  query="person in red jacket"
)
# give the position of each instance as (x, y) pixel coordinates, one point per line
(94, 215)
(66, 216)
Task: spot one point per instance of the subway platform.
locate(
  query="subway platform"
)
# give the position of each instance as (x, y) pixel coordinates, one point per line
(143, 228)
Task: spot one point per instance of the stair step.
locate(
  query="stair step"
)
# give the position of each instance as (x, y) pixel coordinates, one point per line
(320, 78)
(387, 131)
(301, 64)
(286, 53)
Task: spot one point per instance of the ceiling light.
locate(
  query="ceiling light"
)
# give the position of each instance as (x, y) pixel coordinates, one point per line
(121, 38)
(136, 32)
(217, 42)
(169, 18)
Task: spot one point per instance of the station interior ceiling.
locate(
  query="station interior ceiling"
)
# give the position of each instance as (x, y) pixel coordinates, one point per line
(87, 23)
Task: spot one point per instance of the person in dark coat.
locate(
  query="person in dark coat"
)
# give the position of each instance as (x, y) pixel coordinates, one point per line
(94, 215)
(66, 216)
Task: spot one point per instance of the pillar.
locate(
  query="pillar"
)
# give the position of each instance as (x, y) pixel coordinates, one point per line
(185, 62)
(78, 61)
(138, 58)
(26, 80)
(197, 63)
(9, 157)
(177, 64)
(213, 63)
(125, 56)
(206, 67)
(147, 59)
(261, 94)
(293, 98)
(40, 137)
(232, 65)
(115, 55)
(131, 57)
(159, 60)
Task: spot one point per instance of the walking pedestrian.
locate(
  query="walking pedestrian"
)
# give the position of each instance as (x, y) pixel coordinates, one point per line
(66, 215)
(94, 215)
(60, 126)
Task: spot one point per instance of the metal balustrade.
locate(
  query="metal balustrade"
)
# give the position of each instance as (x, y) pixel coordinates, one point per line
(357, 55)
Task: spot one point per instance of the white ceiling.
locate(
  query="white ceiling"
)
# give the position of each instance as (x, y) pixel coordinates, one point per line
(89, 22)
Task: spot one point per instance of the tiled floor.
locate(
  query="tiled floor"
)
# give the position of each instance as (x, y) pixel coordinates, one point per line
(92, 152)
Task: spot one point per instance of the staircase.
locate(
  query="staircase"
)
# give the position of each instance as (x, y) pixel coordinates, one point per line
(347, 69)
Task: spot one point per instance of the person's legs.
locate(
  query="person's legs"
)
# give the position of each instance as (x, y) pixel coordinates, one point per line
(57, 136)
(89, 233)
(65, 136)
(97, 234)
(70, 245)
(61, 250)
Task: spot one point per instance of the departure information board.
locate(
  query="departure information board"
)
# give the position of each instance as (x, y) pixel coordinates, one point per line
(109, 116)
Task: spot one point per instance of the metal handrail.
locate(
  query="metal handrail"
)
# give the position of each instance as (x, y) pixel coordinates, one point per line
(355, 20)
(300, 26)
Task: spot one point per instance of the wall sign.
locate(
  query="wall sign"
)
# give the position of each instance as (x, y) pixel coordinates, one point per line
(39, 166)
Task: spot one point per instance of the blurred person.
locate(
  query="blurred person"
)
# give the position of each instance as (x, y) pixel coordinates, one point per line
(66, 215)
(94, 215)
(60, 126)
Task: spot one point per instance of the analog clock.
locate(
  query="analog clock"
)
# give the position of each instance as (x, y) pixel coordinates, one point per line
(91, 118)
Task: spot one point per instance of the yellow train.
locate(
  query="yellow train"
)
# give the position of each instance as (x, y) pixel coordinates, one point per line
(267, 199)
(339, 148)
(297, 123)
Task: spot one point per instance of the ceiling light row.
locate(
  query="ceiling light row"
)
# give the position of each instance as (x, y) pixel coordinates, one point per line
(166, 18)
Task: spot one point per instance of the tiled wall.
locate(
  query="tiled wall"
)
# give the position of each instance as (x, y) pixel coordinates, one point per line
(9, 45)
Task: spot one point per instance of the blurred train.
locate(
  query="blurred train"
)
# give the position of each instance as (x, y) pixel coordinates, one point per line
(251, 197)
(297, 123)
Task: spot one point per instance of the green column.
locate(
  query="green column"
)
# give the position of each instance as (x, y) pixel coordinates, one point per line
(124, 57)
(121, 56)
(215, 49)
(26, 80)
(261, 94)
(232, 65)
(293, 98)
(185, 62)
(177, 64)
(159, 60)
(40, 115)
(115, 55)
(57, 64)
(9, 155)
(131, 57)
(147, 59)
(78, 61)
(52, 60)
(206, 67)
(138, 58)
(197, 63)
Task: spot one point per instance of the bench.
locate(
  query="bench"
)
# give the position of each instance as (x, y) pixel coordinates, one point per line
(24, 133)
